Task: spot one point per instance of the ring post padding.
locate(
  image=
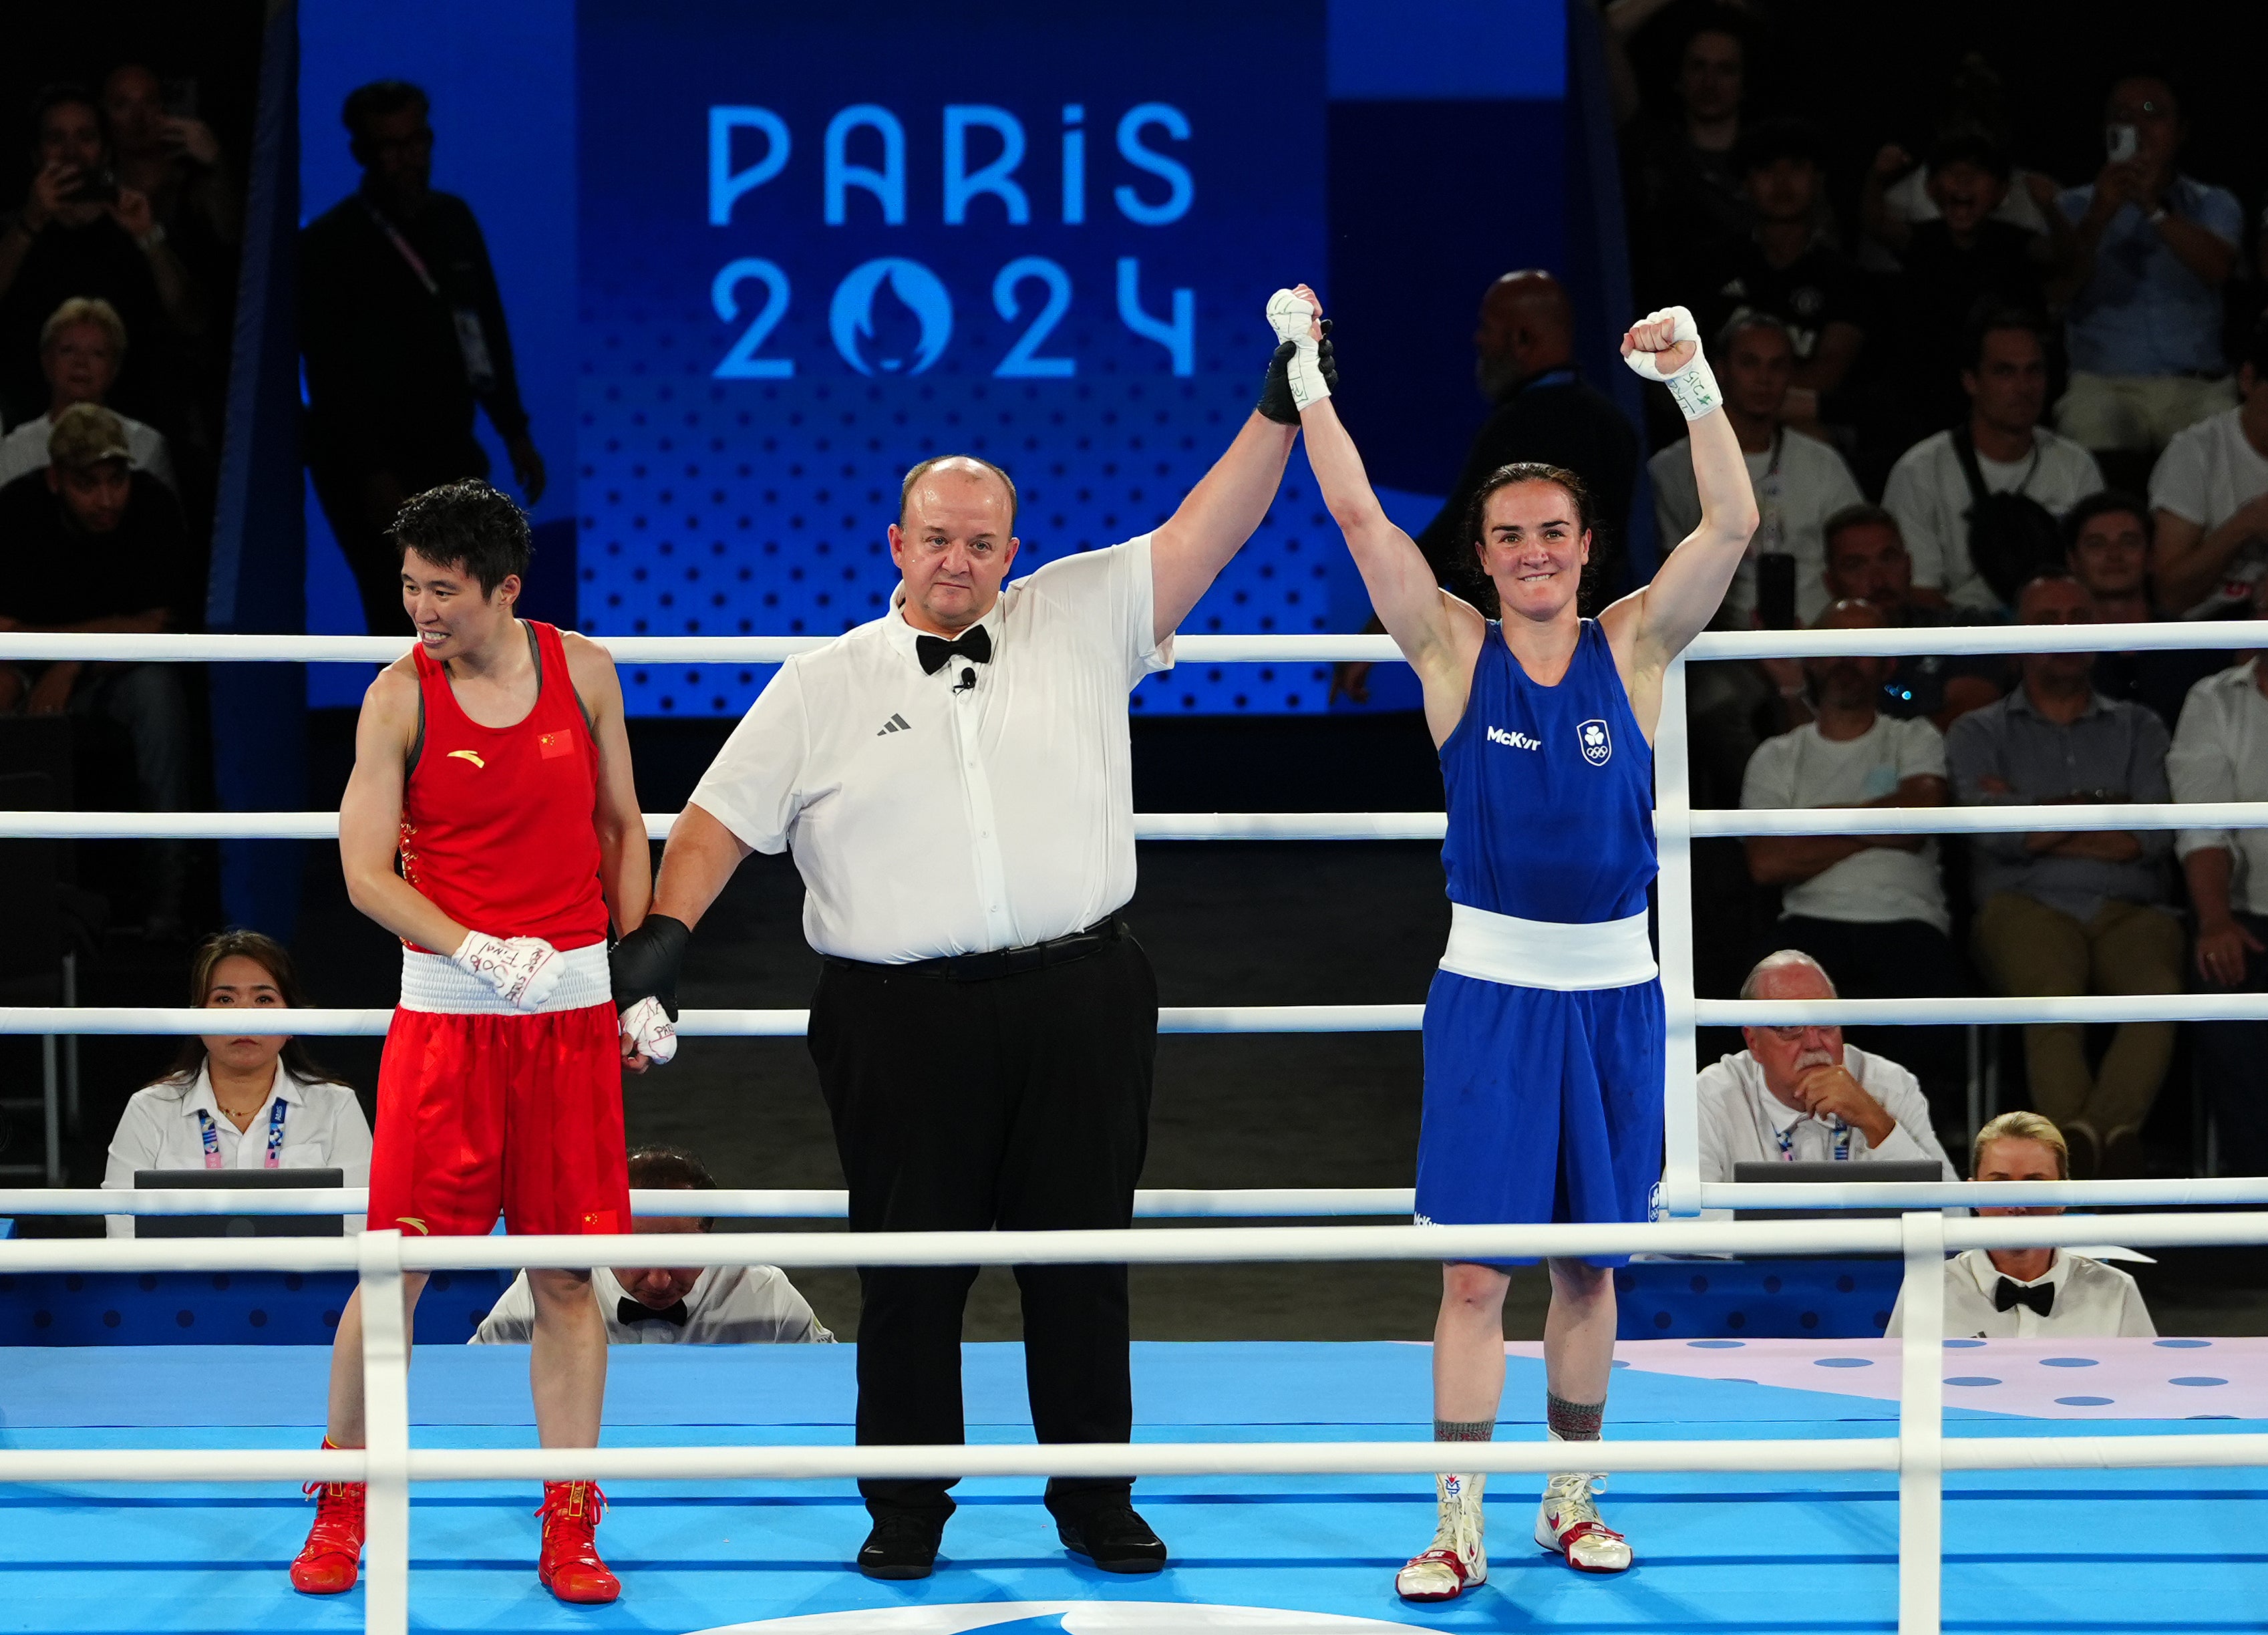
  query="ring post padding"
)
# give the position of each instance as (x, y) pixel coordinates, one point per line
(386, 1433)
(1921, 1426)
(1681, 1179)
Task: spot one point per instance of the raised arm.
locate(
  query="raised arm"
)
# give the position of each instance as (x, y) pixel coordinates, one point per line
(1191, 547)
(1654, 624)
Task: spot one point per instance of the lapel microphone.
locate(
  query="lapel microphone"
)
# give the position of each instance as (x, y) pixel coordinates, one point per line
(968, 679)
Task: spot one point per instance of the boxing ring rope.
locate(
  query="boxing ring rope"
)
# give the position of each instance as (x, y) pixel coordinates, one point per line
(1920, 1453)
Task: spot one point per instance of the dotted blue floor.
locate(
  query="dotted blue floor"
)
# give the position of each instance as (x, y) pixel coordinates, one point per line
(2094, 1552)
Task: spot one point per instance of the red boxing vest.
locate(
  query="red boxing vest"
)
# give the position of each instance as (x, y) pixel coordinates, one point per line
(497, 822)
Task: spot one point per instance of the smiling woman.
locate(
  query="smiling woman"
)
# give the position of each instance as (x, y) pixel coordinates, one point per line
(241, 1101)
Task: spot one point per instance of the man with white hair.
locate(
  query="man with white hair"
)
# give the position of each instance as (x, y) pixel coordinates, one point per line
(1801, 1094)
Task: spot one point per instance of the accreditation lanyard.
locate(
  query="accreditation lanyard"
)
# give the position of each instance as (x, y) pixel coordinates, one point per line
(1841, 1150)
(472, 340)
(211, 1134)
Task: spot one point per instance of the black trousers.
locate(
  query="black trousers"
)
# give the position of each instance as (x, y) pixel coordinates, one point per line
(1022, 1102)
(2231, 1061)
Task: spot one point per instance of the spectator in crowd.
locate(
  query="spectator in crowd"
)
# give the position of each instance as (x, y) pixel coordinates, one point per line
(1868, 561)
(688, 1305)
(2209, 496)
(2023, 1294)
(1801, 1094)
(2078, 911)
(402, 329)
(2152, 249)
(172, 158)
(2220, 752)
(1525, 363)
(1787, 268)
(81, 233)
(96, 545)
(81, 347)
(1685, 188)
(1939, 489)
(241, 1101)
(1899, 196)
(2108, 551)
(1799, 481)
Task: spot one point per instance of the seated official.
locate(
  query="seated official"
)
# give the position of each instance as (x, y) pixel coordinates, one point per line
(241, 1101)
(684, 1305)
(1800, 1094)
(2022, 1294)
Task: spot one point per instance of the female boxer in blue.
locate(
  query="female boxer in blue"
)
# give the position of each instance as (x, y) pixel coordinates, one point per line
(1543, 1027)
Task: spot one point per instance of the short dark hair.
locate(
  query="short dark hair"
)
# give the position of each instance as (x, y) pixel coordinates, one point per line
(1991, 320)
(377, 99)
(670, 1168)
(467, 525)
(64, 94)
(2105, 503)
(1480, 590)
(1745, 318)
(905, 488)
(1769, 141)
(1968, 145)
(1860, 515)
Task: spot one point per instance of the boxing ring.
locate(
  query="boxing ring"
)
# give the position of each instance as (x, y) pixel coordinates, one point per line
(1288, 1479)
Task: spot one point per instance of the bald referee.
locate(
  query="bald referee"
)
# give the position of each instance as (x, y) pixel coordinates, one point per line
(954, 782)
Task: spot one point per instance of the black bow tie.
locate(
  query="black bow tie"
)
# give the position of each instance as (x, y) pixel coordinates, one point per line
(628, 1311)
(935, 650)
(2039, 1296)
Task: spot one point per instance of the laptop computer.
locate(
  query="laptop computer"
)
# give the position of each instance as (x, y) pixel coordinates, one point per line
(1821, 1172)
(237, 1225)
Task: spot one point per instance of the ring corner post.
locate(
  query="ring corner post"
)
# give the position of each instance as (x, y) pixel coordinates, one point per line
(1921, 1428)
(386, 1409)
(1672, 828)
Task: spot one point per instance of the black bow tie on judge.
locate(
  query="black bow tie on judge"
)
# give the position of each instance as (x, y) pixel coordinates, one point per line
(935, 651)
(628, 1311)
(2040, 1296)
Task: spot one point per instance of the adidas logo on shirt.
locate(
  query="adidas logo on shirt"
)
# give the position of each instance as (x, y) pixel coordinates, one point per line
(895, 724)
(1514, 740)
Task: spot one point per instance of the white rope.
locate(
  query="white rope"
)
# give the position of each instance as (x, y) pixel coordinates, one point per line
(1318, 648)
(325, 825)
(1980, 819)
(2215, 635)
(1957, 1013)
(1152, 1203)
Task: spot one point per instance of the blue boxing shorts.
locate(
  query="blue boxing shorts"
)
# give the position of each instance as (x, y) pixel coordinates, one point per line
(1542, 1105)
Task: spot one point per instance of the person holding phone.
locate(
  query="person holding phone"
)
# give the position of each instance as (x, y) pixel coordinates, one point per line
(2152, 248)
(1543, 1027)
(79, 233)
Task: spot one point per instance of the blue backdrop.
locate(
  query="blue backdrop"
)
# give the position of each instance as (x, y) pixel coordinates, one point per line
(771, 257)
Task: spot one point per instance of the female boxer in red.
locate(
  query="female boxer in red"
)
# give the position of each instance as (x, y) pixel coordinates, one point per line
(493, 763)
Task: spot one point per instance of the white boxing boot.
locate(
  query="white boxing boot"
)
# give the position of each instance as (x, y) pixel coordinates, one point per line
(1567, 1524)
(1456, 1560)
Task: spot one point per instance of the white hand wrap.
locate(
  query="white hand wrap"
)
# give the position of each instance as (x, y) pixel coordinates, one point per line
(1694, 387)
(649, 1031)
(1292, 317)
(523, 971)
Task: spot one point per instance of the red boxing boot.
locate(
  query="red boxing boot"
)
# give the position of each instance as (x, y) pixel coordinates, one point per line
(332, 1556)
(570, 1566)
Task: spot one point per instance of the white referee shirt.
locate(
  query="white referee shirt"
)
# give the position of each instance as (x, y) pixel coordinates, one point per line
(2093, 1301)
(1742, 1121)
(323, 1129)
(728, 1305)
(927, 820)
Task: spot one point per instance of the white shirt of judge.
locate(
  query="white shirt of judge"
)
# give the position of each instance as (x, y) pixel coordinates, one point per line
(727, 1305)
(980, 806)
(1742, 1122)
(161, 1129)
(2091, 1301)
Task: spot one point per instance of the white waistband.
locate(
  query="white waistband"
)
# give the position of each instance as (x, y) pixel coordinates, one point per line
(433, 982)
(1544, 953)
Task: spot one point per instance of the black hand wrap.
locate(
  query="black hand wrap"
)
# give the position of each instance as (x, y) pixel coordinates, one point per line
(1275, 390)
(645, 964)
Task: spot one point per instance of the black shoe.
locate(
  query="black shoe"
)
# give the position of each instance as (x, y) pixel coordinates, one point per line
(1113, 1537)
(901, 1546)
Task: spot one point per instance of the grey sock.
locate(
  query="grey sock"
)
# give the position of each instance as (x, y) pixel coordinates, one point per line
(1464, 1430)
(1573, 1422)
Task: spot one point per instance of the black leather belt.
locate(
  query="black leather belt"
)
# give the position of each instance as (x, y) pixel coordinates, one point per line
(1000, 961)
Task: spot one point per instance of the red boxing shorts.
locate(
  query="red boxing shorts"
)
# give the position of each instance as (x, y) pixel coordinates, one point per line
(494, 1113)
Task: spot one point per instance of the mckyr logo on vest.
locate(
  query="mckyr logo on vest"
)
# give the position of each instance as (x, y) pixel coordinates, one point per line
(1514, 740)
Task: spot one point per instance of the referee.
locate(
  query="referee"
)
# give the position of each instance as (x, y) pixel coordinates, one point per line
(954, 782)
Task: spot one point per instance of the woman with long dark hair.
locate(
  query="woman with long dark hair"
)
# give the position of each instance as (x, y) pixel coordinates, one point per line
(241, 1101)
